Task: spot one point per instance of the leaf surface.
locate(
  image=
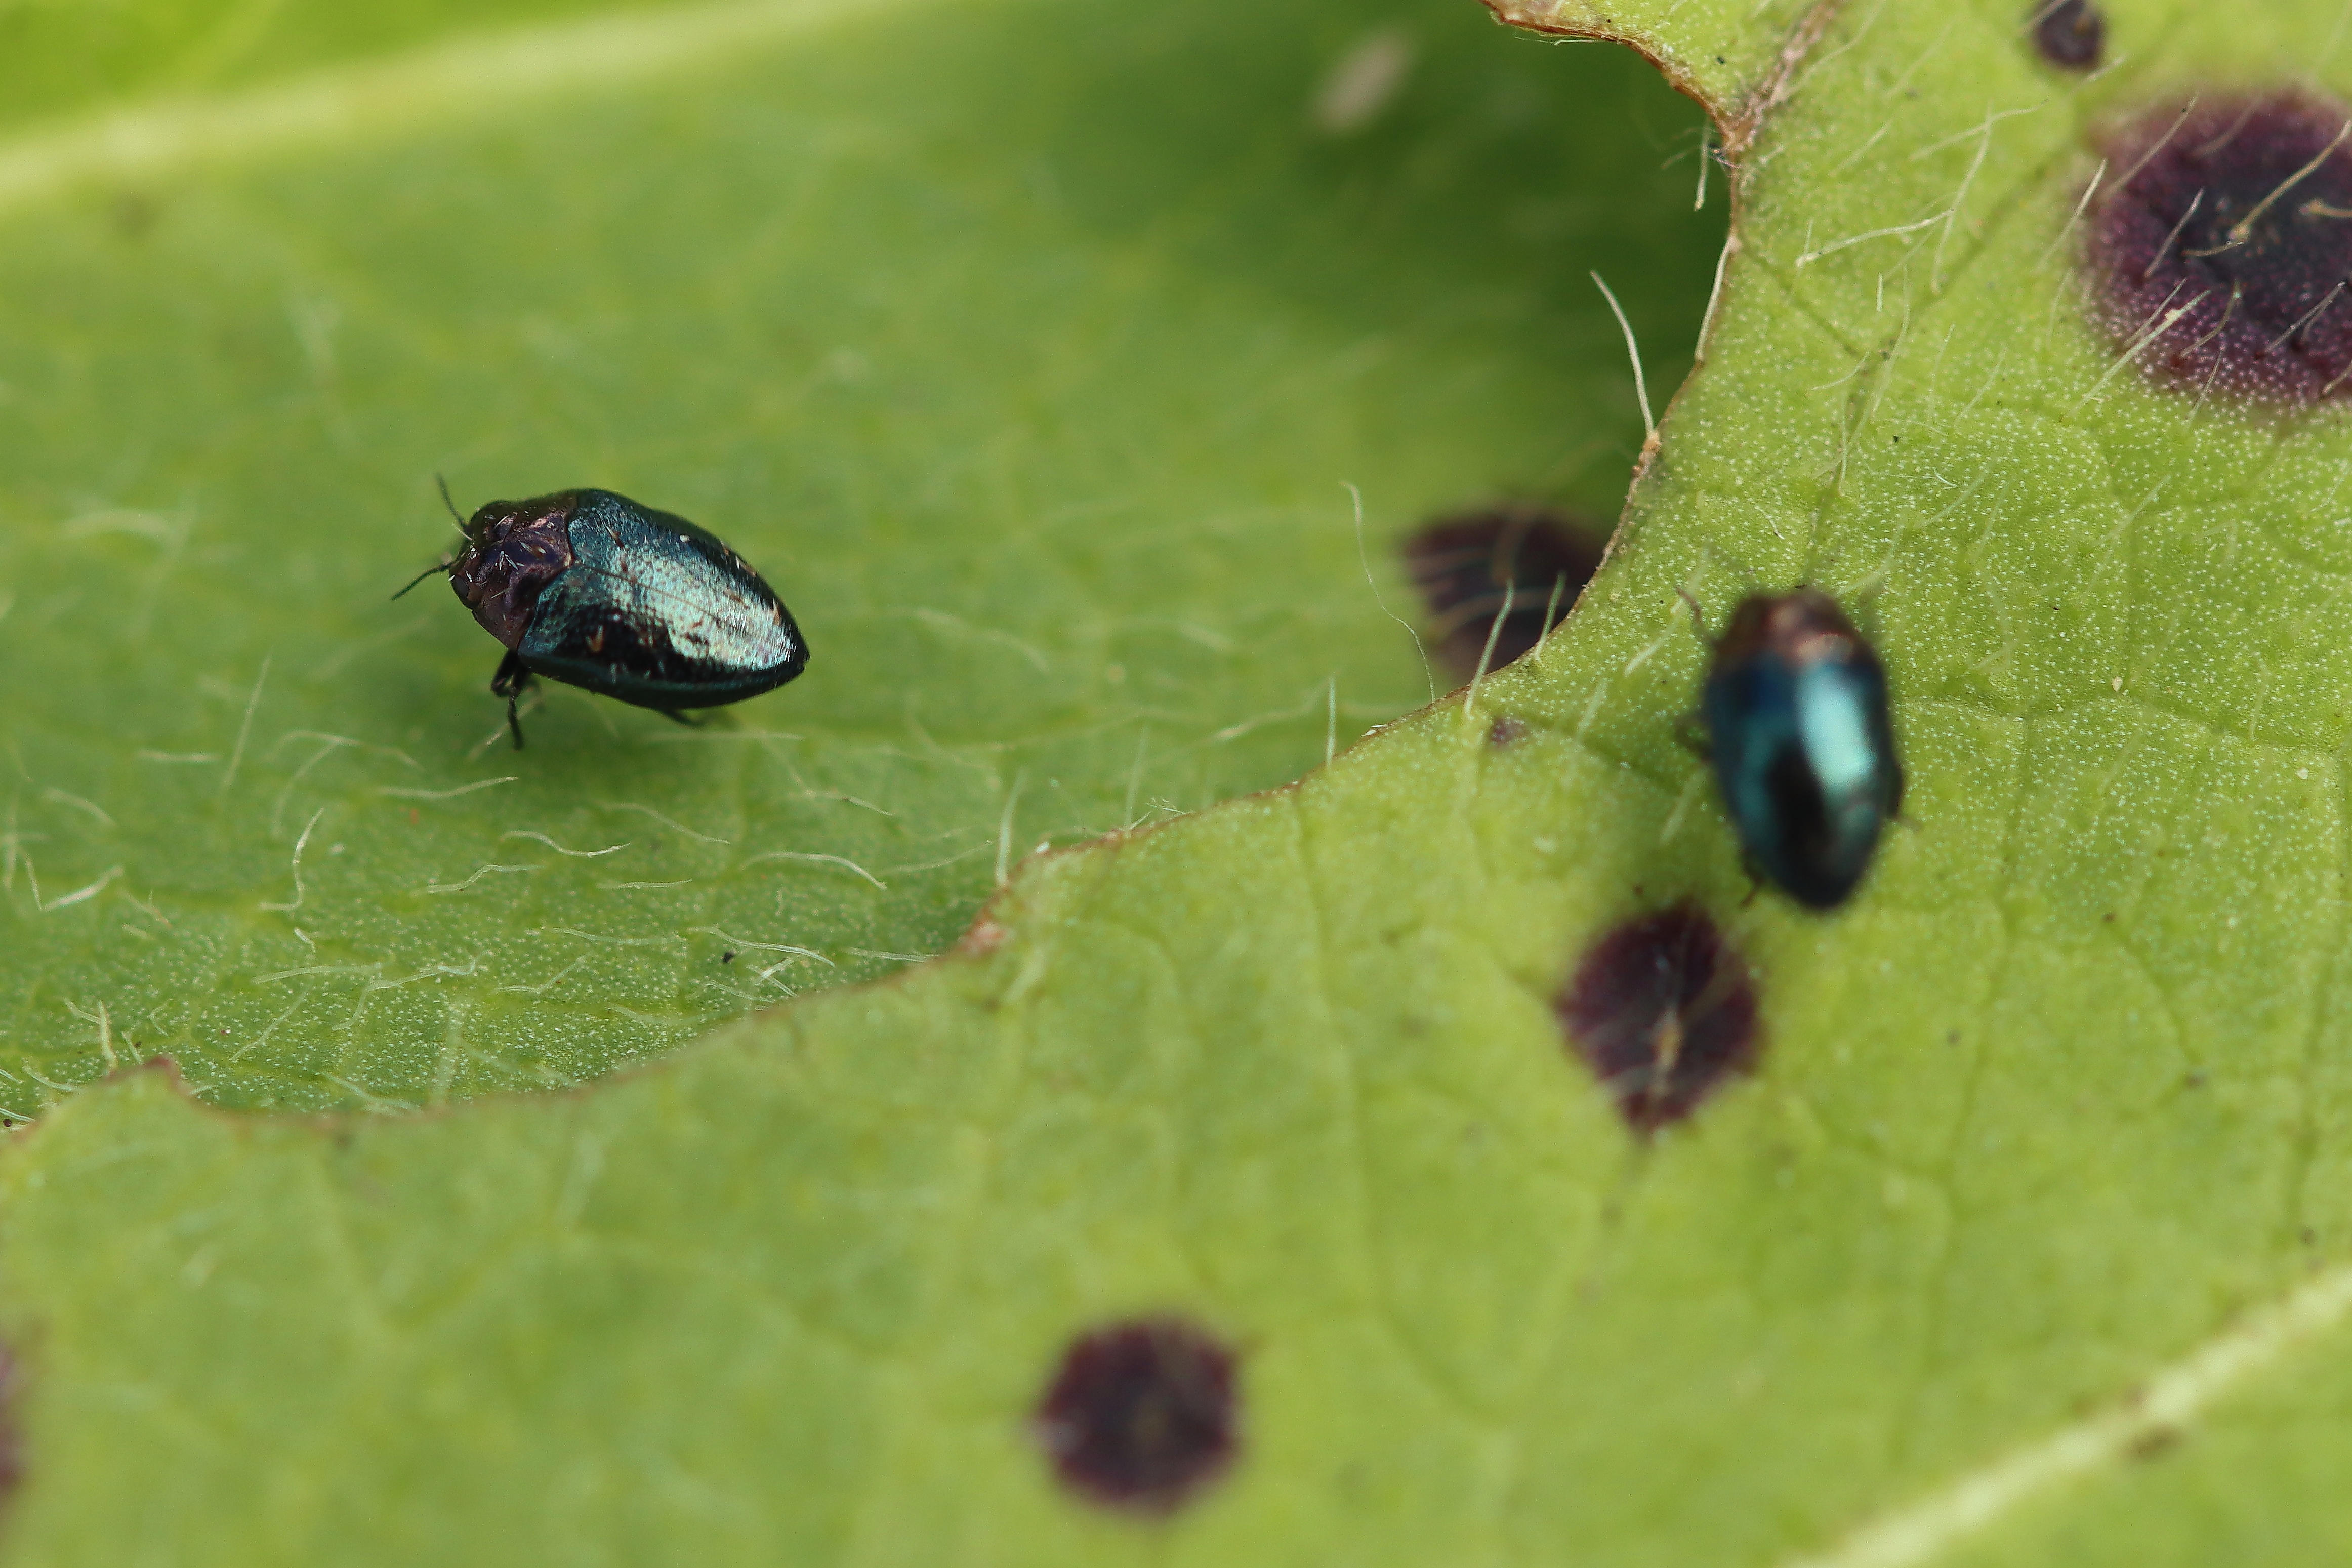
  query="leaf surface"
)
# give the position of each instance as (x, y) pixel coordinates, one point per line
(2043, 1162)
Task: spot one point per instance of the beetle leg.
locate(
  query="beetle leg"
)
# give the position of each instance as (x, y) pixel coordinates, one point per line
(510, 676)
(1699, 618)
(675, 717)
(509, 683)
(1690, 729)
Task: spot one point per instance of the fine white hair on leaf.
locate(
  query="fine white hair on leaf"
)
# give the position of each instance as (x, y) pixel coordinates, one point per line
(327, 746)
(1690, 791)
(1365, 560)
(479, 873)
(1633, 352)
(275, 976)
(1982, 128)
(270, 1028)
(560, 849)
(2075, 217)
(445, 794)
(2137, 349)
(1867, 143)
(80, 895)
(1651, 651)
(300, 843)
(430, 972)
(61, 797)
(956, 859)
(840, 861)
(105, 1032)
(1811, 255)
(550, 983)
(1005, 828)
(671, 823)
(1486, 655)
(747, 944)
(1715, 295)
(606, 941)
(245, 728)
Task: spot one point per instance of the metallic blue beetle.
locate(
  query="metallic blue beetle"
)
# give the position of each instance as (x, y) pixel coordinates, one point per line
(591, 589)
(1795, 704)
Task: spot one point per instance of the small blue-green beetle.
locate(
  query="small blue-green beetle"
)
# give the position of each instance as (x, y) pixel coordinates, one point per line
(1795, 704)
(591, 589)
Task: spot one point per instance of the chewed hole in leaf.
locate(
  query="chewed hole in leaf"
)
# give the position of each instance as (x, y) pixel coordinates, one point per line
(1663, 1010)
(1141, 1414)
(2225, 259)
(2069, 34)
(1515, 564)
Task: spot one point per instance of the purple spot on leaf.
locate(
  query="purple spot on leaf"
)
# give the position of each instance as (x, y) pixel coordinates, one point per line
(1661, 1010)
(1530, 560)
(1141, 1414)
(2224, 258)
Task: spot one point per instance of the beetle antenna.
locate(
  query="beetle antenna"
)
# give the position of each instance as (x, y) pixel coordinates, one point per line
(447, 502)
(442, 567)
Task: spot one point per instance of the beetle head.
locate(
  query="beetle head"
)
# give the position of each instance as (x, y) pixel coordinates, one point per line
(513, 551)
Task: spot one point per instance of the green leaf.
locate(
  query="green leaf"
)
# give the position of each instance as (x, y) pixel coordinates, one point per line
(1739, 56)
(55, 60)
(2040, 1171)
(1045, 434)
